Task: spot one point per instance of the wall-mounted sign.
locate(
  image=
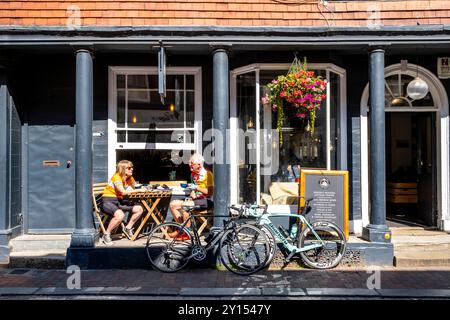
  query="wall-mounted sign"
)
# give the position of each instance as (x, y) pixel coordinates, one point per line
(329, 188)
(443, 67)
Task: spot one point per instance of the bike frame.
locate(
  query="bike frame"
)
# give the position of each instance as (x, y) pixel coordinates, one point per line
(264, 220)
(229, 225)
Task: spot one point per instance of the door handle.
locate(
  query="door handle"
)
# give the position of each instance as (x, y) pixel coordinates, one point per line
(68, 163)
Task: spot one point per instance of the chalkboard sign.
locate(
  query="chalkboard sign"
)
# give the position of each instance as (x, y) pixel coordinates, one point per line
(329, 188)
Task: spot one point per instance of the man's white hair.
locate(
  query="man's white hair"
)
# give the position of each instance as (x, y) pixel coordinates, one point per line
(197, 158)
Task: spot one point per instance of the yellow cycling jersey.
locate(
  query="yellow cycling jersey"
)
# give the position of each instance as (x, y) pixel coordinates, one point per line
(205, 179)
(116, 180)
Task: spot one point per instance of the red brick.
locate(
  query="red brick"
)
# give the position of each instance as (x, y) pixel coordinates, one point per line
(89, 21)
(5, 21)
(138, 22)
(14, 5)
(417, 5)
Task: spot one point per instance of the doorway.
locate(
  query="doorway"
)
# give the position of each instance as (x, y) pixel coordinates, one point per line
(411, 173)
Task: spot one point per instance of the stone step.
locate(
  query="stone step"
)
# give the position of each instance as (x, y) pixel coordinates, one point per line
(417, 231)
(422, 259)
(49, 259)
(421, 247)
(32, 243)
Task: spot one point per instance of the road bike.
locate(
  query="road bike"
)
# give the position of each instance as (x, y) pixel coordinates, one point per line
(320, 244)
(171, 245)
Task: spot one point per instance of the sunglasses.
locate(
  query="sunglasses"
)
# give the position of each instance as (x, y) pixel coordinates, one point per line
(129, 168)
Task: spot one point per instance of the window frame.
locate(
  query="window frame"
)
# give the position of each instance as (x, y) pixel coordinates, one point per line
(113, 145)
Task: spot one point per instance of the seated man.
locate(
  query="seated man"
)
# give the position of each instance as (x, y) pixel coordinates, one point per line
(201, 194)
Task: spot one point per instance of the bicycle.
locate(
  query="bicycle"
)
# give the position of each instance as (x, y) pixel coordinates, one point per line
(321, 244)
(170, 245)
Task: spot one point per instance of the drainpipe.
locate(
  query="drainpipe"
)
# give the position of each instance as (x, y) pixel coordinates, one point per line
(84, 233)
(5, 231)
(221, 123)
(377, 230)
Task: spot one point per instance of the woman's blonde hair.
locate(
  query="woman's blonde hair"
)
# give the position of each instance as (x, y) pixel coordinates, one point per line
(122, 166)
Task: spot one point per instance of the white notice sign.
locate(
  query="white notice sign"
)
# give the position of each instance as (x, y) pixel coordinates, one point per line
(443, 68)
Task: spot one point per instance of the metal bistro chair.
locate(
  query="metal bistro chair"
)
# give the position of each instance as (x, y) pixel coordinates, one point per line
(97, 195)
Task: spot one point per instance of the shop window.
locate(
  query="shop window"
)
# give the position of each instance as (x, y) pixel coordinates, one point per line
(256, 177)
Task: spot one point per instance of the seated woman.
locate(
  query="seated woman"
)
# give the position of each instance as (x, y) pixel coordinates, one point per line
(121, 184)
(201, 194)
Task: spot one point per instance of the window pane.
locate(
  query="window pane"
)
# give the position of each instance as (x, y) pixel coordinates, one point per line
(246, 90)
(174, 110)
(175, 82)
(427, 101)
(121, 136)
(121, 81)
(145, 110)
(190, 82)
(142, 81)
(190, 109)
(334, 118)
(121, 108)
(176, 136)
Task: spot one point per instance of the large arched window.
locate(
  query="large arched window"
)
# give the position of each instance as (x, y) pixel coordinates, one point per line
(396, 95)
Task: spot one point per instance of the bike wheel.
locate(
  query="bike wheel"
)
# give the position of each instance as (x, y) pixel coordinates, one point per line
(273, 244)
(270, 237)
(168, 246)
(331, 253)
(245, 250)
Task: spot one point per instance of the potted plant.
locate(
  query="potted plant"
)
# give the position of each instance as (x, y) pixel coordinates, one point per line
(299, 93)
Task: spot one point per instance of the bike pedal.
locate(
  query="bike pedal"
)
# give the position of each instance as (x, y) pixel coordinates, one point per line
(289, 257)
(285, 263)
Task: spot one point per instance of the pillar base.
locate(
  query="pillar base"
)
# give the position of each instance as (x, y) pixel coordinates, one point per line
(5, 248)
(377, 233)
(83, 238)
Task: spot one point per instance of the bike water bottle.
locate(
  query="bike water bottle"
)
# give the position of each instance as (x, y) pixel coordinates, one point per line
(294, 230)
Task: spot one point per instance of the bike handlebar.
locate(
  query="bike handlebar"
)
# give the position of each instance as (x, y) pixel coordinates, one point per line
(247, 210)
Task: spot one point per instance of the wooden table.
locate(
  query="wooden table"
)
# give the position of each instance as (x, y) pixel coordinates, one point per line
(150, 200)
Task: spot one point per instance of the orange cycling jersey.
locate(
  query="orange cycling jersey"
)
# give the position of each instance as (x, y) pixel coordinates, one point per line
(116, 180)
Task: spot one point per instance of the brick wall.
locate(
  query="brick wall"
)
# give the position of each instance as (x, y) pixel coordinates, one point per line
(224, 12)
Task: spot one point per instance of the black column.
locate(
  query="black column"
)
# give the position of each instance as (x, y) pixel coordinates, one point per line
(377, 230)
(221, 120)
(84, 234)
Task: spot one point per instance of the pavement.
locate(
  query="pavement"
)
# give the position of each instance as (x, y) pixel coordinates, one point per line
(343, 282)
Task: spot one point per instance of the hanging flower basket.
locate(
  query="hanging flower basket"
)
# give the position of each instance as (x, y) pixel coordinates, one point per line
(299, 93)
